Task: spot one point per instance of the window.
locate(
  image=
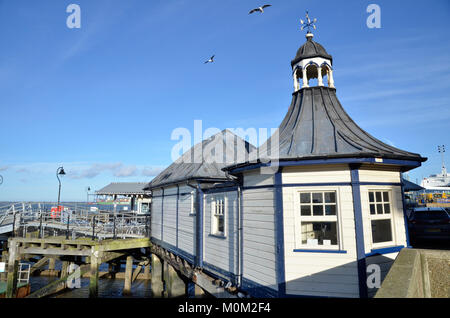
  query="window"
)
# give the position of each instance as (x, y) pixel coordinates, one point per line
(318, 219)
(218, 216)
(380, 216)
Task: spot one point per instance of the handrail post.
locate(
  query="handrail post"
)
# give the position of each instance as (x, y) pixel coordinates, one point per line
(93, 228)
(14, 225)
(114, 226)
(68, 223)
(40, 224)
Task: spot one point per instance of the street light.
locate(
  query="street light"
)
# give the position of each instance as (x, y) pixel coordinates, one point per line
(87, 194)
(59, 172)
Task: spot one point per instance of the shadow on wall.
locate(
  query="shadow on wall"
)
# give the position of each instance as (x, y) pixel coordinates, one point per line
(337, 282)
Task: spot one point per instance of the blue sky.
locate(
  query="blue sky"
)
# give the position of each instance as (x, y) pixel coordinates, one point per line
(104, 99)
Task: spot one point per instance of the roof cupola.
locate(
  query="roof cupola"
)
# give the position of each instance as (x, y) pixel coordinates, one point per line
(312, 60)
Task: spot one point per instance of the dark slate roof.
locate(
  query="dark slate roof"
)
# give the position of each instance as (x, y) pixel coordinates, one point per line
(410, 186)
(309, 50)
(317, 126)
(192, 165)
(123, 188)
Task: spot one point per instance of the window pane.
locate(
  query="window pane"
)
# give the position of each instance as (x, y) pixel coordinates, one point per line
(378, 196)
(387, 208)
(317, 198)
(317, 209)
(319, 233)
(330, 209)
(372, 208)
(330, 197)
(386, 196)
(305, 210)
(381, 231)
(379, 209)
(220, 224)
(371, 198)
(305, 197)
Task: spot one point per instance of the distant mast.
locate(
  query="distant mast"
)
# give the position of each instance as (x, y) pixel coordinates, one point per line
(441, 150)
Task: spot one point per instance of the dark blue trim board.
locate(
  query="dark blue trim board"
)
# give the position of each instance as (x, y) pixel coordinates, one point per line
(199, 228)
(360, 249)
(385, 250)
(176, 211)
(162, 215)
(404, 163)
(405, 218)
(217, 272)
(279, 232)
(319, 251)
(322, 184)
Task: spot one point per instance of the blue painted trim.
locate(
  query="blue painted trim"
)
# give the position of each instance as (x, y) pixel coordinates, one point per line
(405, 218)
(216, 190)
(174, 250)
(320, 251)
(321, 184)
(162, 214)
(408, 163)
(258, 290)
(222, 237)
(360, 249)
(170, 195)
(385, 250)
(199, 226)
(217, 272)
(176, 212)
(279, 232)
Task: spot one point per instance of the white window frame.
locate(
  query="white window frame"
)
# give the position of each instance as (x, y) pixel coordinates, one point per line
(384, 216)
(192, 197)
(298, 218)
(216, 211)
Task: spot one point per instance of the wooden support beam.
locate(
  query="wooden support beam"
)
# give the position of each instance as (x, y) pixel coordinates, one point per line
(93, 279)
(41, 263)
(13, 266)
(128, 276)
(157, 276)
(136, 273)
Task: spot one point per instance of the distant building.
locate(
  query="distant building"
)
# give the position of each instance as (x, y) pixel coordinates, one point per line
(331, 204)
(125, 193)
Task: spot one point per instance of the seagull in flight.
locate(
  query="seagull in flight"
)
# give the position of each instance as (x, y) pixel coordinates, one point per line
(211, 59)
(260, 9)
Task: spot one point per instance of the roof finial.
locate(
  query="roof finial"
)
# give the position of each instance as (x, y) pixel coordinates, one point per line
(308, 24)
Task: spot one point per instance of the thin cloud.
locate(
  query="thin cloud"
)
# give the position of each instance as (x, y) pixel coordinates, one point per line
(126, 172)
(93, 171)
(152, 171)
(4, 168)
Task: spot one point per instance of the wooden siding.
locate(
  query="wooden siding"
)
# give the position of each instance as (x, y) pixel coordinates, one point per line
(259, 241)
(221, 252)
(320, 274)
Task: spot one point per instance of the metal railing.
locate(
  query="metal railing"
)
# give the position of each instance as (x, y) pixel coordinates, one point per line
(71, 221)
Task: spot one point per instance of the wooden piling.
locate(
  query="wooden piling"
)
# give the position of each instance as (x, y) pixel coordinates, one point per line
(13, 267)
(157, 277)
(174, 285)
(93, 280)
(128, 276)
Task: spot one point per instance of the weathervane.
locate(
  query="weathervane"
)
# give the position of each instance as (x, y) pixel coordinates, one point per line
(308, 23)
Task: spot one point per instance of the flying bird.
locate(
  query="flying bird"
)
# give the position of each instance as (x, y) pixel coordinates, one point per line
(260, 9)
(211, 59)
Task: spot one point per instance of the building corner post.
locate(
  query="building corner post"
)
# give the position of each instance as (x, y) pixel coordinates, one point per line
(359, 230)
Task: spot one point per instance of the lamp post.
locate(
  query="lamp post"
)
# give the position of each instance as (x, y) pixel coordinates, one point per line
(87, 194)
(59, 172)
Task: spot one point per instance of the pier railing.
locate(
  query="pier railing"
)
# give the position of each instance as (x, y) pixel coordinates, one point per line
(20, 219)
